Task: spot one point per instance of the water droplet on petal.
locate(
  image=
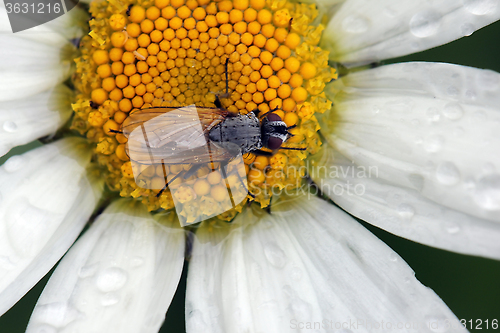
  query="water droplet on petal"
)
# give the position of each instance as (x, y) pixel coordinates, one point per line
(6, 263)
(425, 24)
(14, 163)
(111, 279)
(296, 274)
(355, 24)
(275, 255)
(87, 271)
(58, 314)
(393, 257)
(110, 299)
(467, 29)
(452, 91)
(136, 262)
(447, 173)
(31, 222)
(434, 143)
(453, 111)
(406, 211)
(453, 228)
(433, 115)
(487, 193)
(10, 127)
(480, 7)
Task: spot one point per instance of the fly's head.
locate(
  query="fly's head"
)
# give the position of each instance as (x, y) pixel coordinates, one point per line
(274, 131)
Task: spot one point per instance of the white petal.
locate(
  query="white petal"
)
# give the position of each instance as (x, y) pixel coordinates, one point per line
(45, 201)
(73, 24)
(27, 119)
(305, 263)
(364, 31)
(119, 277)
(29, 67)
(402, 211)
(428, 127)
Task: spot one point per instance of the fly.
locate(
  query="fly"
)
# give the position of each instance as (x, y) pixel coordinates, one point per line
(200, 135)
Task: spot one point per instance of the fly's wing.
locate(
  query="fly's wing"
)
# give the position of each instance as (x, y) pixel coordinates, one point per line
(174, 136)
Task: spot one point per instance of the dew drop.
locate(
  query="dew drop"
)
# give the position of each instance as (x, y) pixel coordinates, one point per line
(393, 257)
(434, 143)
(6, 263)
(480, 7)
(447, 173)
(58, 314)
(10, 127)
(111, 279)
(136, 262)
(275, 255)
(110, 299)
(425, 24)
(406, 211)
(14, 163)
(452, 91)
(355, 24)
(32, 222)
(296, 274)
(453, 111)
(467, 29)
(87, 271)
(453, 228)
(433, 115)
(487, 193)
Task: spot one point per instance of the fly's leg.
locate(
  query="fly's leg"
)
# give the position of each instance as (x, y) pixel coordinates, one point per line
(170, 181)
(184, 173)
(192, 170)
(262, 153)
(217, 101)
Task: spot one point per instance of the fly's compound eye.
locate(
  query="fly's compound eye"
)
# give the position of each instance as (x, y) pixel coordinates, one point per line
(274, 142)
(273, 117)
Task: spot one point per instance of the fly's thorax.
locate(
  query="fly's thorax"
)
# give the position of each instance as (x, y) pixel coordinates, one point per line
(242, 131)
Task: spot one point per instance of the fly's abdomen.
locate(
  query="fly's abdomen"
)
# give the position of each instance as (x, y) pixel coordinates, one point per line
(242, 132)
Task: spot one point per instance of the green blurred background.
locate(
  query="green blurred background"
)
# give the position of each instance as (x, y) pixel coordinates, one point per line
(470, 286)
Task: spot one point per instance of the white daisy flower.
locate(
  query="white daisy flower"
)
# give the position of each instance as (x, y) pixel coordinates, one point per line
(410, 148)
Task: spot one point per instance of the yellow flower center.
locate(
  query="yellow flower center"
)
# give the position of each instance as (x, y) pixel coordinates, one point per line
(172, 53)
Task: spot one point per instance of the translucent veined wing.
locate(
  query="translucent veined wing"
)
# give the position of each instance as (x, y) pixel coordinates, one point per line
(174, 136)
